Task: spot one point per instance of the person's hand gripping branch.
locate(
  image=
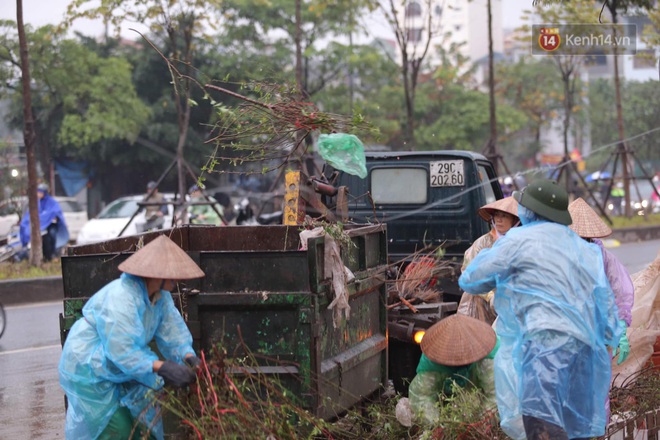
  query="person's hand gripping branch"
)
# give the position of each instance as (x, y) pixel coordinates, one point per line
(176, 375)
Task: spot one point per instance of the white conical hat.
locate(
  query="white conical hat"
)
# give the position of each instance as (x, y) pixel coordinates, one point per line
(458, 340)
(586, 222)
(507, 204)
(161, 258)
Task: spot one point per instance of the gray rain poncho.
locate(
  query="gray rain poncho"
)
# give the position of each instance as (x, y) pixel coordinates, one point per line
(556, 316)
(106, 361)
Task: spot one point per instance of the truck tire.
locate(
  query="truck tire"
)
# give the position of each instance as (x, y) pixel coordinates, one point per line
(403, 360)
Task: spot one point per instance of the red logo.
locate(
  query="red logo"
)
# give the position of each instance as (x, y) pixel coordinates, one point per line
(549, 39)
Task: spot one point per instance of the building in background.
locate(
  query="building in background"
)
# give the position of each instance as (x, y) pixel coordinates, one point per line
(456, 23)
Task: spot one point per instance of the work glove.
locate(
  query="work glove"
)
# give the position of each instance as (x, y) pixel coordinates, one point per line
(624, 348)
(193, 361)
(176, 375)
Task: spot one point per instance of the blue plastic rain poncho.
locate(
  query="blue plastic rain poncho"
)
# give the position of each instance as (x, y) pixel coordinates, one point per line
(556, 316)
(106, 361)
(49, 210)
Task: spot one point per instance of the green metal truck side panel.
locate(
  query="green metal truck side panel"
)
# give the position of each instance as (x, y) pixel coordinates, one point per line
(263, 294)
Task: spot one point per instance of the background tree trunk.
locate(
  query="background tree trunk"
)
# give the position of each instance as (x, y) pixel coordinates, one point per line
(29, 138)
(622, 148)
(491, 152)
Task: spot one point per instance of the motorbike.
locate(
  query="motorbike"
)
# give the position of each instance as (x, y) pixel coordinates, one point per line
(13, 249)
(245, 215)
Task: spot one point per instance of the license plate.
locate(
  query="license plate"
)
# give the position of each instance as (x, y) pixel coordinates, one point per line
(447, 173)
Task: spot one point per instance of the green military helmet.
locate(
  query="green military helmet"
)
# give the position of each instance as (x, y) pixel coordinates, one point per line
(547, 199)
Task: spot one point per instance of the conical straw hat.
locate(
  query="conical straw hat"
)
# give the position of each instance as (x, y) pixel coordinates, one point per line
(507, 204)
(458, 340)
(586, 222)
(162, 259)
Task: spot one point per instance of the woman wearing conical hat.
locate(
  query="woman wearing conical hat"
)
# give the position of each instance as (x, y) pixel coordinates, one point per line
(107, 368)
(457, 351)
(588, 225)
(502, 215)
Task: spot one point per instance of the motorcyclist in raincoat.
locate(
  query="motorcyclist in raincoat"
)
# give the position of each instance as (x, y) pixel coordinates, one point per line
(458, 351)
(556, 315)
(207, 213)
(54, 233)
(107, 368)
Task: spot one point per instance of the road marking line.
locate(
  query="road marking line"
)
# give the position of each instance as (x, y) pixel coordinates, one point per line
(29, 305)
(611, 243)
(24, 350)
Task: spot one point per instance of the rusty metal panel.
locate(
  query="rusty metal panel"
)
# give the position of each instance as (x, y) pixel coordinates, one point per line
(254, 271)
(243, 238)
(84, 275)
(275, 325)
(129, 244)
(352, 376)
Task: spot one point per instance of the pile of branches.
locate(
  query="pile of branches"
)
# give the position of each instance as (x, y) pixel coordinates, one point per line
(233, 399)
(271, 126)
(418, 282)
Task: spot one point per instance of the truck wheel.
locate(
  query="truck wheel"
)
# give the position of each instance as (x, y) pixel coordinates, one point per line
(403, 360)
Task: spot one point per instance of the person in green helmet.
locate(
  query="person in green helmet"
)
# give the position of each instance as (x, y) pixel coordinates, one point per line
(556, 317)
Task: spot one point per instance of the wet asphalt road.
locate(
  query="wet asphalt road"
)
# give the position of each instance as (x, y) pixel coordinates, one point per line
(31, 401)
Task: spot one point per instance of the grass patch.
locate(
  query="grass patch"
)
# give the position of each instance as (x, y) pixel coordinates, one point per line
(635, 221)
(11, 271)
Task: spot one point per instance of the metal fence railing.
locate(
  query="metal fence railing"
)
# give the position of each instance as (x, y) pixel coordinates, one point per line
(645, 427)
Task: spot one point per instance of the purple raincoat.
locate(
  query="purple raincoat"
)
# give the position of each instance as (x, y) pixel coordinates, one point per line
(621, 283)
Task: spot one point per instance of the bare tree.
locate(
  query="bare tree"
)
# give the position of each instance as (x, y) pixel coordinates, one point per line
(29, 139)
(569, 63)
(182, 22)
(414, 31)
(569, 67)
(614, 6)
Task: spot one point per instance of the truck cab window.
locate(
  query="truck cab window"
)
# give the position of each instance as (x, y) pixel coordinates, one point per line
(399, 185)
(487, 184)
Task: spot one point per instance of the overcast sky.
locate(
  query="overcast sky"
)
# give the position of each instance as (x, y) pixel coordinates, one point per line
(41, 12)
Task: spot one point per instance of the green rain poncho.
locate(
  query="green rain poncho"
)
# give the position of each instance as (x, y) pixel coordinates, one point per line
(433, 379)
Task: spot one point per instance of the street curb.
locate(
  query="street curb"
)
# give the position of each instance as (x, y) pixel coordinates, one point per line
(31, 290)
(631, 235)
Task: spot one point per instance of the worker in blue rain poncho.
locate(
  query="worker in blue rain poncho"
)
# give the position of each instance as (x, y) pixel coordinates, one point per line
(557, 316)
(54, 233)
(107, 368)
